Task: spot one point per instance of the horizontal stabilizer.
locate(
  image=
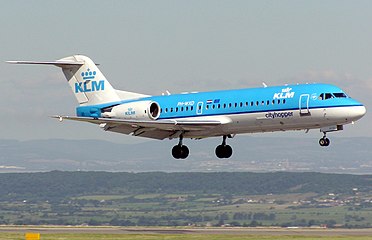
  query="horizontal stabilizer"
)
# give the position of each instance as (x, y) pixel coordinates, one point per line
(55, 63)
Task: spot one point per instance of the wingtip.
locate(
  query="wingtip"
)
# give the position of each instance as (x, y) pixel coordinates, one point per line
(60, 118)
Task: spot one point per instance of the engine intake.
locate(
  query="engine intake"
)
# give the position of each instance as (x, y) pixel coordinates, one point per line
(154, 110)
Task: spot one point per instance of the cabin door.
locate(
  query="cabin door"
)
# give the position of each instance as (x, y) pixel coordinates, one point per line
(199, 108)
(304, 105)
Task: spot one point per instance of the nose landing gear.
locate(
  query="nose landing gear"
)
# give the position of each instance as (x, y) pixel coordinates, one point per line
(223, 150)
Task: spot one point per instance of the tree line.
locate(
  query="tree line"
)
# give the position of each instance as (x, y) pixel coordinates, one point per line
(59, 184)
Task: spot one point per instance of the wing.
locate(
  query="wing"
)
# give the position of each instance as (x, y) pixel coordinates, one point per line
(159, 129)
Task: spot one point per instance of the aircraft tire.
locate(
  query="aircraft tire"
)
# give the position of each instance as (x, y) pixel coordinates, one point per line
(180, 152)
(228, 151)
(219, 151)
(327, 142)
(184, 152)
(176, 152)
(223, 151)
(324, 142)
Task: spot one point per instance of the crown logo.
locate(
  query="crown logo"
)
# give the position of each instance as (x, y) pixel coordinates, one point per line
(88, 74)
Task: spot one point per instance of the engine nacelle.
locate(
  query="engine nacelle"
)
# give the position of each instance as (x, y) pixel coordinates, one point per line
(141, 110)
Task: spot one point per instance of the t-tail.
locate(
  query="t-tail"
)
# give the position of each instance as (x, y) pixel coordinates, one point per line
(87, 82)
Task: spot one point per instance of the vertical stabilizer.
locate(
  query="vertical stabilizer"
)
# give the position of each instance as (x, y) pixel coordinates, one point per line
(87, 82)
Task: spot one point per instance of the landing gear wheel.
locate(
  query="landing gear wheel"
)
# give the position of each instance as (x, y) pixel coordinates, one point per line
(176, 152)
(223, 151)
(324, 142)
(184, 151)
(180, 152)
(327, 142)
(228, 151)
(219, 151)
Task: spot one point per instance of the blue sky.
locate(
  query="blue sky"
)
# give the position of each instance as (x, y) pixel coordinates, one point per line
(154, 46)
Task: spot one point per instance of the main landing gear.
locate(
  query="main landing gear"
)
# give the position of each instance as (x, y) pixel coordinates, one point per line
(223, 150)
(324, 141)
(180, 151)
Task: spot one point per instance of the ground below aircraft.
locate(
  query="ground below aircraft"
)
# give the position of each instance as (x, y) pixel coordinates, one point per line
(200, 115)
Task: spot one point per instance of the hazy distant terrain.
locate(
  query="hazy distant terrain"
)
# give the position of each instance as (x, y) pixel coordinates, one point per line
(345, 155)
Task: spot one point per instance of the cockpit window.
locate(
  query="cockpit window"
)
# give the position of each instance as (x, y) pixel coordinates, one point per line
(325, 96)
(328, 96)
(340, 95)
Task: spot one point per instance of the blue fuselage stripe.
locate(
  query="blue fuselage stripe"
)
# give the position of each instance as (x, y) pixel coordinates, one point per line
(242, 101)
(261, 111)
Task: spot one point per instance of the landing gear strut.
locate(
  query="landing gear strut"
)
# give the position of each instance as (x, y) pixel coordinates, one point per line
(324, 141)
(180, 151)
(223, 150)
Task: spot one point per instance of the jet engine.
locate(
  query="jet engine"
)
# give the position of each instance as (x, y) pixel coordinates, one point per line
(140, 110)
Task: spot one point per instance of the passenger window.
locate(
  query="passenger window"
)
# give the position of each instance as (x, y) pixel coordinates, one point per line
(171, 110)
(191, 108)
(251, 103)
(278, 101)
(187, 108)
(246, 104)
(166, 109)
(176, 109)
(283, 101)
(219, 106)
(236, 104)
(257, 103)
(321, 96)
(273, 102)
(267, 102)
(263, 103)
(241, 104)
(224, 105)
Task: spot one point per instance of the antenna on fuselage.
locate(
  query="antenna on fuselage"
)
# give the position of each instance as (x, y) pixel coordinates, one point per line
(264, 84)
(167, 92)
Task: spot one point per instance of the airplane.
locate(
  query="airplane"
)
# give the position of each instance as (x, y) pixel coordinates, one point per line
(199, 115)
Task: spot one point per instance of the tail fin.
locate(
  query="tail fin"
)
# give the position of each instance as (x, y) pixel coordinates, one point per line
(86, 81)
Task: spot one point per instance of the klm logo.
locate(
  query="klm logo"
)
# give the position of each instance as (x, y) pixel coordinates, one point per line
(89, 85)
(130, 112)
(285, 93)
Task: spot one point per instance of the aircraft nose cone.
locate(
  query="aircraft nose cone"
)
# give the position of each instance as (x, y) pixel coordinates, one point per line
(358, 112)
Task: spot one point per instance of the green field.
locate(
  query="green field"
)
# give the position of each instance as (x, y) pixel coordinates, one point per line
(282, 210)
(238, 199)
